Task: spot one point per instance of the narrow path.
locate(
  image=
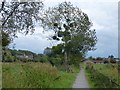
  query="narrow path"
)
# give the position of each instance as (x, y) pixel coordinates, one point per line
(81, 81)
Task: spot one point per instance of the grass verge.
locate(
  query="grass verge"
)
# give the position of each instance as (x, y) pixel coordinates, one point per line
(102, 76)
(90, 81)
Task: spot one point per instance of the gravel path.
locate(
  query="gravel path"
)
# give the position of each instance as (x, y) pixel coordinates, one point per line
(81, 81)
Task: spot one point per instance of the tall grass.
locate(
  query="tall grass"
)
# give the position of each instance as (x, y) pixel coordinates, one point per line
(28, 75)
(35, 75)
(110, 70)
(103, 75)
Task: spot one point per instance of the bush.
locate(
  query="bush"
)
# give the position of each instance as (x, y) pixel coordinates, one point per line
(55, 61)
(7, 56)
(43, 59)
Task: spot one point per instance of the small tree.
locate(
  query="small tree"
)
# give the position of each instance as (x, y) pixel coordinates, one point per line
(90, 58)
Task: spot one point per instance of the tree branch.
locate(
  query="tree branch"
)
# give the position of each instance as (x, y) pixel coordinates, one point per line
(11, 13)
(3, 3)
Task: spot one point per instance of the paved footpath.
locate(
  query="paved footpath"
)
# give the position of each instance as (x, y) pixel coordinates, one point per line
(81, 81)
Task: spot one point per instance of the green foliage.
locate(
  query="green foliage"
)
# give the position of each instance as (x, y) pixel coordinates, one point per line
(57, 49)
(90, 58)
(7, 57)
(23, 56)
(55, 61)
(75, 59)
(5, 39)
(110, 70)
(44, 59)
(103, 76)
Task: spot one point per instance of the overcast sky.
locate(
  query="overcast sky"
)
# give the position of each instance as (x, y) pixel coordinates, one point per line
(103, 14)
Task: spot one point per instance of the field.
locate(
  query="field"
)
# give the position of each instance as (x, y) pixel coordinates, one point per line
(103, 76)
(35, 75)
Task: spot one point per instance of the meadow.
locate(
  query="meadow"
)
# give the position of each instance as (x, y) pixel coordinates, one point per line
(35, 75)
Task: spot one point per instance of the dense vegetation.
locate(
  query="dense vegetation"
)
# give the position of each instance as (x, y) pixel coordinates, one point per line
(38, 71)
(27, 56)
(103, 75)
(21, 55)
(35, 75)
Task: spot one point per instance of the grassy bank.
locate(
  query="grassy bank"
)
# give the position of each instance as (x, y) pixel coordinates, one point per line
(110, 70)
(90, 81)
(103, 75)
(35, 75)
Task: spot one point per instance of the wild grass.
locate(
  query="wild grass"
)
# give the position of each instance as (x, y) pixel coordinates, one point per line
(110, 70)
(91, 83)
(107, 70)
(28, 75)
(35, 75)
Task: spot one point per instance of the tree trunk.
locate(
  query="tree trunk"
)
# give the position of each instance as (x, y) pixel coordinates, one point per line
(65, 58)
(65, 64)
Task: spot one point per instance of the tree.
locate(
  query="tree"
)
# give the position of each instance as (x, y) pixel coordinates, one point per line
(5, 42)
(111, 58)
(5, 39)
(19, 16)
(72, 27)
(90, 58)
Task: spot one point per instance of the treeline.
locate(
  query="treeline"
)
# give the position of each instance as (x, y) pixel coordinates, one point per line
(10, 55)
(54, 58)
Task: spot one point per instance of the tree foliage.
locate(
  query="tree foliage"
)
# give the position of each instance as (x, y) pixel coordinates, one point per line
(71, 26)
(19, 16)
(5, 39)
(57, 49)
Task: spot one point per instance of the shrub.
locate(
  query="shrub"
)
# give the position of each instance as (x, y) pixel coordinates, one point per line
(7, 56)
(55, 61)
